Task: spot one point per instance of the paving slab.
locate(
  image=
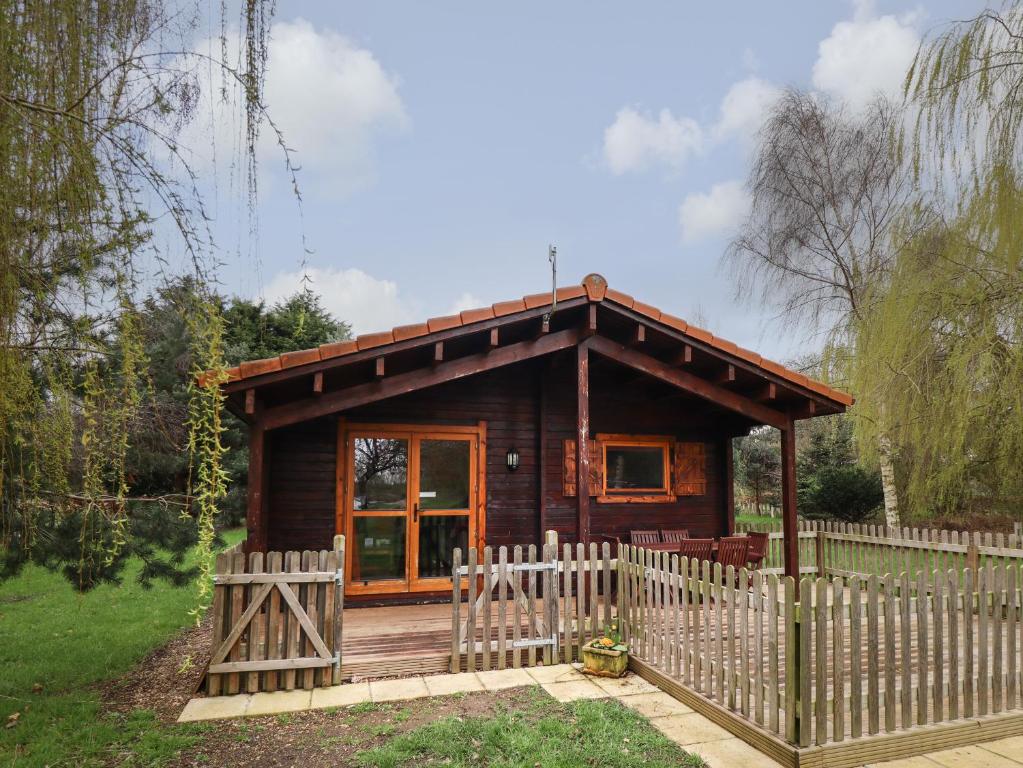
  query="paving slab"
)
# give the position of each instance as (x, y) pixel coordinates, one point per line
(278, 702)
(445, 685)
(732, 753)
(974, 756)
(398, 690)
(558, 673)
(630, 685)
(573, 690)
(1011, 748)
(499, 679)
(340, 695)
(214, 708)
(689, 729)
(656, 704)
(918, 761)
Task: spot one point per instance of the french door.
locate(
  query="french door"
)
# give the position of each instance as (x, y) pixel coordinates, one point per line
(412, 497)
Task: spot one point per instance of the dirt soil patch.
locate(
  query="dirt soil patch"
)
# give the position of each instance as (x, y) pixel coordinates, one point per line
(167, 678)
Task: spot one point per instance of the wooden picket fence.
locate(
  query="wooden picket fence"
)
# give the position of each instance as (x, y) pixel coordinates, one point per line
(277, 619)
(848, 663)
(845, 549)
(532, 607)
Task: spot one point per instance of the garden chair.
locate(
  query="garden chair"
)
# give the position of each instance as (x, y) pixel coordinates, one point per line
(696, 549)
(639, 538)
(757, 549)
(674, 535)
(733, 550)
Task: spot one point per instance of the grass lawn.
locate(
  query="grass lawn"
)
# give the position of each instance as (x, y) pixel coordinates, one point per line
(56, 645)
(536, 731)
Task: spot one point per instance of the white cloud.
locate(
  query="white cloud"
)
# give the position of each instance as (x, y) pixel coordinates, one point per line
(744, 107)
(466, 301)
(351, 295)
(865, 56)
(330, 97)
(717, 212)
(635, 141)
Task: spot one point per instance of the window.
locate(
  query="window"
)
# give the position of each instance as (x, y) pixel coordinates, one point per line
(635, 467)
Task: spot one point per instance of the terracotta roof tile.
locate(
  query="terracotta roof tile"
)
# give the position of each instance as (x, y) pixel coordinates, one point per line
(403, 332)
(476, 315)
(674, 322)
(371, 340)
(443, 323)
(303, 356)
(256, 367)
(571, 292)
(646, 309)
(503, 308)
(593, 286)
(337, 349)
(620, 298)
(700, 334)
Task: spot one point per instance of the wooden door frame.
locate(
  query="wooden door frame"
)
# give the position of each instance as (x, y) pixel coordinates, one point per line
(345, 490)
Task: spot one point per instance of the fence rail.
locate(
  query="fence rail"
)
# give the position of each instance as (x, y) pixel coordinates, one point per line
(276, 620)
(829, 660)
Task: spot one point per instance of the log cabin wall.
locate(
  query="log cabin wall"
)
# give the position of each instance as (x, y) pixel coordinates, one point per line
(302, 458)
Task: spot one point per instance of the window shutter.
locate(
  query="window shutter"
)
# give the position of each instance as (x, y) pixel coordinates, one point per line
(690, 469)
(568, 478)
(569, 469)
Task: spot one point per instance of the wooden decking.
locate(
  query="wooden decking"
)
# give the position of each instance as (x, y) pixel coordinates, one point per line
(396, 640)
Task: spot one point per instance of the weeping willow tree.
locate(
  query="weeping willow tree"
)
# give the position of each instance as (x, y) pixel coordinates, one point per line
(942, 347)
(93, 99)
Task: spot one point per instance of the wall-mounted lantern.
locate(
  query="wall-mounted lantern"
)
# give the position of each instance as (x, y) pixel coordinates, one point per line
(511, 459)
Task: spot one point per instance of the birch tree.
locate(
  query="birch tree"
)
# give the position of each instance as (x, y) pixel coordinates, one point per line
(829, 197)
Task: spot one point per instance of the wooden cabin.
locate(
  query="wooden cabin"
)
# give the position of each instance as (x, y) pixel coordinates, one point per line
(465, 430)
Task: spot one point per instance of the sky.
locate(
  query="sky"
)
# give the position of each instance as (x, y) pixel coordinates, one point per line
(442, 146)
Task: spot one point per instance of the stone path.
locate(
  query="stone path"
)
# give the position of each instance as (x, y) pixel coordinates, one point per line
(1004, 753)
(691, 730)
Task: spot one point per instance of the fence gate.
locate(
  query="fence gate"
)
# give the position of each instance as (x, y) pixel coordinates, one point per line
(520, 598)
(276, 621)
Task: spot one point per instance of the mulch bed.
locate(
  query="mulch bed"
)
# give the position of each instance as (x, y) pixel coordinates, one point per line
(166, 679)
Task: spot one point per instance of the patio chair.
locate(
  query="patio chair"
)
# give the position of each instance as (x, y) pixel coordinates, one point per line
(639, 538)
(696, 549)
(674, 535)
(733, 550)
(757, 549)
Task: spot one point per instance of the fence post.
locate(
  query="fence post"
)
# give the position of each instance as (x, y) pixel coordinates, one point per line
(551, 595)
(819, 553)
(339, 604)
(972, 555)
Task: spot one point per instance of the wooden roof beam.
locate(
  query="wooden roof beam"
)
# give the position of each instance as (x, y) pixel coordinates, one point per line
(684, 356)
(767, 393)
(411, 381)
(379, 368)
(700, 387)
(495, 338)
(726, 375)
(318, 383)
(438, 352)
(639, 335)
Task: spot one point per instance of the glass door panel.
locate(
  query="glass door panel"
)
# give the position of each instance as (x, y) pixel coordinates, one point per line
(445, 492)
(380, 513)
(379, 551)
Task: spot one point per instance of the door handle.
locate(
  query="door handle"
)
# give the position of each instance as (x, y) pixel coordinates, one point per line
(415, 512)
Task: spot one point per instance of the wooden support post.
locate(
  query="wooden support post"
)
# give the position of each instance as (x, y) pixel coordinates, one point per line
(582, 463)
(729, 479)
(543, 407)
(790, 529)
(318, 383)
(255, 522)
(438, 352)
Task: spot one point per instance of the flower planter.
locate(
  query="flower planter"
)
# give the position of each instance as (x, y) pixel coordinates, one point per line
(605, 662)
